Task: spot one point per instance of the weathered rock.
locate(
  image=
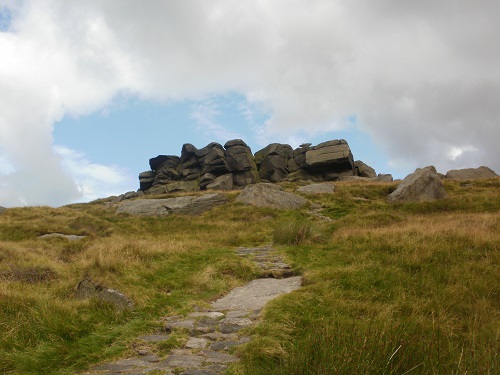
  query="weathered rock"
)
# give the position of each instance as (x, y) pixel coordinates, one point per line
(70, 237)
(422, 185)
(224, 182)
(156, 190)
(207, 179)
(146, 180)
(212, 159)
(322, 188)
(189, 165)
(384, 177)
(162, 160)
(182, 187)
(272, 161)
(470, 173)
(298, 159)
(269, 195)
(304, 175)
(90, 289)
(190, 205)
(246, 178)
(363, 170)
(331, 157)
(241, 162)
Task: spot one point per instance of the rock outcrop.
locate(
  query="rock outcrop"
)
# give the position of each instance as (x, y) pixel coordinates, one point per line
(189, 205)
(328, 161)
(270, 195)
(470, 173)
(422, 185)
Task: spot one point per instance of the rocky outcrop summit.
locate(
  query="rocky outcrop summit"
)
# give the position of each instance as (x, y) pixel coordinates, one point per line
(217, 167)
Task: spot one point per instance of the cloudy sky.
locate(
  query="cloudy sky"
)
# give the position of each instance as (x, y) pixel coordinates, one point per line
(90, 90)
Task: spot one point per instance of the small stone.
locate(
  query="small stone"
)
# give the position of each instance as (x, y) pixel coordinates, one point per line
(142, 352)
(217, 357)
(236, 313)
(223, 345)
(186, 324)
(184, 360)
(196, 343)
(208, 314)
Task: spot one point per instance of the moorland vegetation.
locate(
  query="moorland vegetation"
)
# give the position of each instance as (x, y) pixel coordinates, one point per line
(388, 288)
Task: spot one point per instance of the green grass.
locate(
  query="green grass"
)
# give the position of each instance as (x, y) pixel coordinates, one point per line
(388, 289)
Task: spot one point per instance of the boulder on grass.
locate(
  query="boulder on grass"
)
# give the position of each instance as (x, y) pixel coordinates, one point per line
(90, 289)
(470, 173)
(189, 205)
(422, 185)
(270, 195)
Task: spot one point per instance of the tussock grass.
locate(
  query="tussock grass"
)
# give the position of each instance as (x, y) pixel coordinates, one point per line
(393, 289)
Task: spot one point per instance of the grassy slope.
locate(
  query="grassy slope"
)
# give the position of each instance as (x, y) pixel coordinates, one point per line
(388, 288)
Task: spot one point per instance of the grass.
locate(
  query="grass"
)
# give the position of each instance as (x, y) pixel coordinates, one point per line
(388, 289)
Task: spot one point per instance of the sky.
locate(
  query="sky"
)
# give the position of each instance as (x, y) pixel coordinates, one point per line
(90, 90)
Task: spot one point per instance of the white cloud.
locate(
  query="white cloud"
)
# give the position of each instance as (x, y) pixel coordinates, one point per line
(93, 180)
(422, 78)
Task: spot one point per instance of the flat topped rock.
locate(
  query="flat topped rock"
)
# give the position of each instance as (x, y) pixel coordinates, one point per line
(257, 293)
(190, 205)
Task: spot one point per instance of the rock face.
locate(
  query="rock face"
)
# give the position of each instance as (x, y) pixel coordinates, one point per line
(190, 205)
(276, 162)
(470, 173)
(90, 289)
(422, 185)
(269, 195)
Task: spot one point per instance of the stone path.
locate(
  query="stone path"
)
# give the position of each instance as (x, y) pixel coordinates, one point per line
(212, 333)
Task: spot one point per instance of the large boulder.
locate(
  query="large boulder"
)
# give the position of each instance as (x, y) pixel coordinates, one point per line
(333, 158)
(190, 205)
(363, 170)
(224, 182)
(212, 159)
(189, 165)
(166, 167)
(470, 173)
(422, 185)
(270, 195)
(272, 161)
(240, 162)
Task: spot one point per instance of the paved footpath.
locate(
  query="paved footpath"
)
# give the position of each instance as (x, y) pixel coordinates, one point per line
(212, 333)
